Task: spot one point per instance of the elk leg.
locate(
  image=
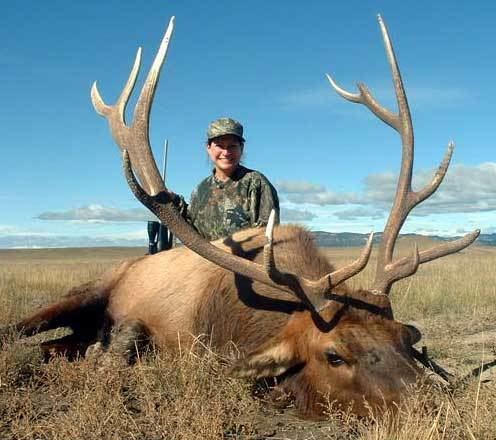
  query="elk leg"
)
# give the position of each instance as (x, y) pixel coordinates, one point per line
(70, 346)
(82, 310)
(129, 339)
(126, 341)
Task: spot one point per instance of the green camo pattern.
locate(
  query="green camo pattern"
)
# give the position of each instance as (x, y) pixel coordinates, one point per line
(218, 209)
(223, 126)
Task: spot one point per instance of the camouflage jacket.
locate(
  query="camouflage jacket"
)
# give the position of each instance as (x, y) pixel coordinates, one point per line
(217, 209)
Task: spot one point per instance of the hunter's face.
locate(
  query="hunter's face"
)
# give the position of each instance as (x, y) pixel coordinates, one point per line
(225, 152)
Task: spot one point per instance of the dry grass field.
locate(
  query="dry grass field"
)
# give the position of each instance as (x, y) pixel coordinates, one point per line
(189, 396)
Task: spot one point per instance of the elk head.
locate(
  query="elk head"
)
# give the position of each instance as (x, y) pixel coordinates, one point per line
(353, 355)
(346, 344)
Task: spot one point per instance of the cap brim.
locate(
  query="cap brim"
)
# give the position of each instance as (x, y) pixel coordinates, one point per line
(227, 134)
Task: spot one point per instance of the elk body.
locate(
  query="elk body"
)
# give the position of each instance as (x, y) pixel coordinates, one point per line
(272, 295)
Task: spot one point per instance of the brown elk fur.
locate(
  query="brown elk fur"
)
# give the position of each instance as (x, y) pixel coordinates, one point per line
(177, 295)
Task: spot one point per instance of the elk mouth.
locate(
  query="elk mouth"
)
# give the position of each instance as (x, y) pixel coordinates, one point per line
(281, 392)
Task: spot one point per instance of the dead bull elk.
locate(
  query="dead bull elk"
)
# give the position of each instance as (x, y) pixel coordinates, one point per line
(274, 296)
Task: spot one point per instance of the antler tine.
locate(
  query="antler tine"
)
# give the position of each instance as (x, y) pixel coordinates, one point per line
(437, 179)
(404, 119)
(346, 272)
(269, 263)
(143, 106)
(352, 97)
(333, 279)
(441, 250)
(366, 98)
(135, 138)
(102, 108)
(406, 266)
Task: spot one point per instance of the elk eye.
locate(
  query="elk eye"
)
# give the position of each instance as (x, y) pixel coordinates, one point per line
(334, 359)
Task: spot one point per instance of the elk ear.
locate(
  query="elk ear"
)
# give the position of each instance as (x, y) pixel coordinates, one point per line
(413, 332)
(272, 359)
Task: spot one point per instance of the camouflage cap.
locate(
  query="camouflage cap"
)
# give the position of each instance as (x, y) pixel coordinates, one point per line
(223, 126)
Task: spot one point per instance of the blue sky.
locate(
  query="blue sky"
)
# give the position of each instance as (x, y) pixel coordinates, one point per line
(263, 63)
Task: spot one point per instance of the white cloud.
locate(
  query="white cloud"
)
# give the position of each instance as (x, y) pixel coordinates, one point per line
(30, 239)
(7, 229)
(297, 191)
(296, 215)
(99, 213)
(359, 211)
(466, 188)
(299, 187)
(325, 198)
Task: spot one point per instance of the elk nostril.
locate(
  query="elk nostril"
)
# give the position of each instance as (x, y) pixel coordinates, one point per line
(373, 358)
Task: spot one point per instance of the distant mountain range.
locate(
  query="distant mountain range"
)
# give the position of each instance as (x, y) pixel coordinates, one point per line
(349, 239)
(324, 239)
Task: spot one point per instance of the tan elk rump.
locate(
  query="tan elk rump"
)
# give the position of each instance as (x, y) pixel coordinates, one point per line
(273, 296)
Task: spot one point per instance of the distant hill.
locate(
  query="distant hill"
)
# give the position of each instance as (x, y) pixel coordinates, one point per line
(350, 239)
(487, 239)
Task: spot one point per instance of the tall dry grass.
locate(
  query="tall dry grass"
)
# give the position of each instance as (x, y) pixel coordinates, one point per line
(191, 396)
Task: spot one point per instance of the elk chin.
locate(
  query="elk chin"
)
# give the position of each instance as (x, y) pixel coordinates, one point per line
(383, 390)
(317, 405)
(314, 403)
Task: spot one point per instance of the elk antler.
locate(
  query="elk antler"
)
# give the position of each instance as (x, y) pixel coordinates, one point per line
(406, 199)
(135, 138)
(135, 145)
